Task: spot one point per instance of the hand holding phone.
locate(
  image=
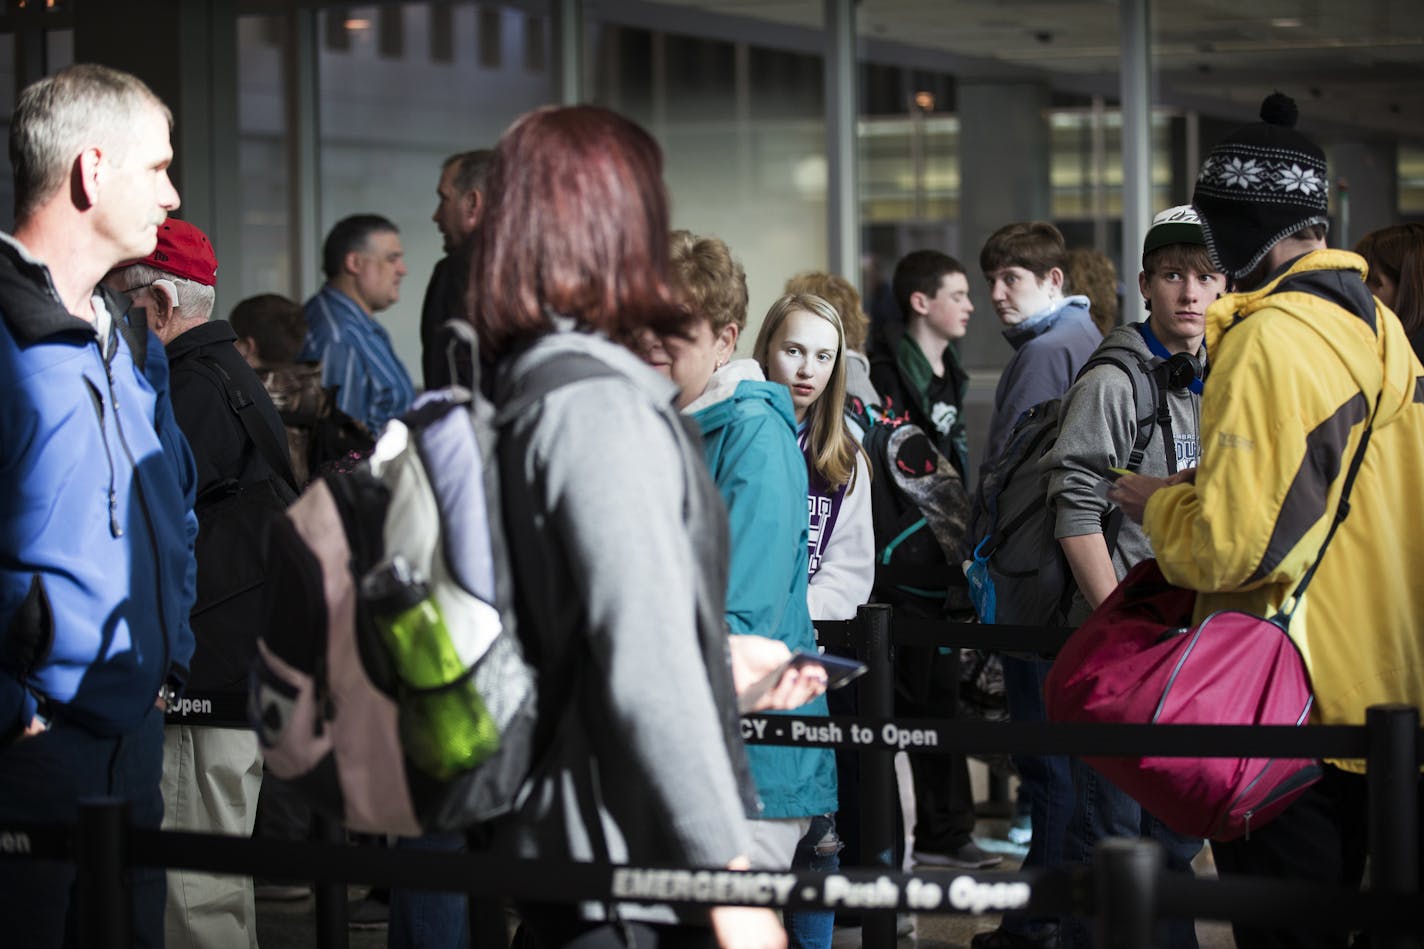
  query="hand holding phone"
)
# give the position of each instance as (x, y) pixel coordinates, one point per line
(798, 680)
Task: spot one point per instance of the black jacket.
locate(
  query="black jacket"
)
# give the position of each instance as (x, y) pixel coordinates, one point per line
(226, 457)
(444, 301)
(240, 493)
(899, 398)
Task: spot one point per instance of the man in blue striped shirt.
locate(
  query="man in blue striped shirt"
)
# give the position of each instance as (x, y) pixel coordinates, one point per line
(364, 264)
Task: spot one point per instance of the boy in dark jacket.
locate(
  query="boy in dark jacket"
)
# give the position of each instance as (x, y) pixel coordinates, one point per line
(915, 366)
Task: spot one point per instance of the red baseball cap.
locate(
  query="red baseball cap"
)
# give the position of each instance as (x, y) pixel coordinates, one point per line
(184, 251)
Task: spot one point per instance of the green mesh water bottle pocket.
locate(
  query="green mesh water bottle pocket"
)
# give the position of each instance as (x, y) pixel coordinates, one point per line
(447, 730)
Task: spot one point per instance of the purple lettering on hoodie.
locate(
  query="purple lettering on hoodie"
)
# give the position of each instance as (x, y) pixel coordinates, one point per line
(823, 503)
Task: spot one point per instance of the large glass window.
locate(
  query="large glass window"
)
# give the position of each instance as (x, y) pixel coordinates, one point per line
(744, 140)
(909, 167)
(58, 53)
(1411, 181)
(400, 89)
(7, 109)
(1085, 173)
(263, 159)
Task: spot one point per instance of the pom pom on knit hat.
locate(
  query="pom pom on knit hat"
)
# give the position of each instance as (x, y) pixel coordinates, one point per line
(1261, 184)
(1279, 109)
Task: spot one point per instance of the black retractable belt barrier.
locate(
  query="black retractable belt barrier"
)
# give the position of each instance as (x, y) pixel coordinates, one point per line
(1266, 903)
(1393, 775)
(1126, 887)
(210, 709)
(960, 736)
(840, 637)
(1031, 642)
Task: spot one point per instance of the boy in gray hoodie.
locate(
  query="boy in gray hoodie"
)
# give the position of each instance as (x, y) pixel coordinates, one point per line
(1097, 429)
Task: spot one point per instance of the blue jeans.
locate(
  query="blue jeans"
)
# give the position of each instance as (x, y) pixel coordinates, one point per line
(820, 852)
(43, 778)
(422, 919)
(1105, 810)
(1046, 780)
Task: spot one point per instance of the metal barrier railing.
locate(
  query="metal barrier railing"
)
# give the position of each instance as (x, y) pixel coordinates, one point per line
(103, 844)
(1390, 743)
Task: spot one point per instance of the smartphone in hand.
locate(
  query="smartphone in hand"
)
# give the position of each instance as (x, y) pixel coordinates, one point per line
(839, 671)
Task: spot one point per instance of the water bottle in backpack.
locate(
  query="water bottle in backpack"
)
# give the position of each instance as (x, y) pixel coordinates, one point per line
(444, 723)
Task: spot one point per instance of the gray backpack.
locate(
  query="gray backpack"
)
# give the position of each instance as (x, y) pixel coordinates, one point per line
(1017, 572)
(391, 687)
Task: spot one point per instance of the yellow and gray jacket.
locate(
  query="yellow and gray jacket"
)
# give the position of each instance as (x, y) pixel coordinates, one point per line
(1299, 367)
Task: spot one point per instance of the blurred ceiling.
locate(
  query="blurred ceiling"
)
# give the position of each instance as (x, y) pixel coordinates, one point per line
(1356, 67)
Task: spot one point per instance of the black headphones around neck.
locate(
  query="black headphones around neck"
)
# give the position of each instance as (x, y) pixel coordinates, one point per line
(1180, 370)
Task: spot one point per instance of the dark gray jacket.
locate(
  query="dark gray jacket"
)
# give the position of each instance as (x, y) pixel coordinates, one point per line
(618, 541)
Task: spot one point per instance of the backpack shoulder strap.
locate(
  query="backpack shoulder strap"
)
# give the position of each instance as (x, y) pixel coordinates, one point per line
(1153, 409)
(549, 376)
(245, 409)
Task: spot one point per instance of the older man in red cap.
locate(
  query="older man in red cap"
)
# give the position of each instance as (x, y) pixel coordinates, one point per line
(211, 775)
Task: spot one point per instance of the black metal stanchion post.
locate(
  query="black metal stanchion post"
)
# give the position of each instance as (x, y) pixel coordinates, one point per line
(1125, 887)
(330, 894)
(877, 768)
(1393, 774)
(105, 919)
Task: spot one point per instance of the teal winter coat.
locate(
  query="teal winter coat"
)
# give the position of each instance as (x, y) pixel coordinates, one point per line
(749, 438)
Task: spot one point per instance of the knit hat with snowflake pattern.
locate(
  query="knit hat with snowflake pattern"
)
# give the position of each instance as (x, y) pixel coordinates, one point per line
(1262, 184)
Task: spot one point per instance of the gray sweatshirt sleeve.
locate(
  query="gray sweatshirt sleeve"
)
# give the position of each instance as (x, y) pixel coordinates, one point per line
(1096, 429)
(615, 490)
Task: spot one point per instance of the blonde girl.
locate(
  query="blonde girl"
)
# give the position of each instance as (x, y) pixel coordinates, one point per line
(802, 346)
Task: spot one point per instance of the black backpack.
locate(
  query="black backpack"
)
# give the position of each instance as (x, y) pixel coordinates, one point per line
(920, 510)
(337, 442)
(1018, 574)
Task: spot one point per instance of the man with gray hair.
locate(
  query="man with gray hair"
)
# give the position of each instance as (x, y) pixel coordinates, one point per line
(96, 490)
(457, 214)
(211, 775)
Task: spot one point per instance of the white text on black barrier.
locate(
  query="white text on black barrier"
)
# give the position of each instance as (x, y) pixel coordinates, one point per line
(829, 733)
(964, 893)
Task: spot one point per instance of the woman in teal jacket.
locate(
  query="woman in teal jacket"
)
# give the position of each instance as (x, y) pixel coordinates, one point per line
(749, 439)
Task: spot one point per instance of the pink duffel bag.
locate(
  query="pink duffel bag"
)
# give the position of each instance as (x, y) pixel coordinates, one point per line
(1138, 659)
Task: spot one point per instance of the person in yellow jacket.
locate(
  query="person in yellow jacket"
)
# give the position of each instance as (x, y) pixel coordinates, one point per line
(1303, 358)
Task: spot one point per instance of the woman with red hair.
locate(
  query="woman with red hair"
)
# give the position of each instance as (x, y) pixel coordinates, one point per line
(617, 536)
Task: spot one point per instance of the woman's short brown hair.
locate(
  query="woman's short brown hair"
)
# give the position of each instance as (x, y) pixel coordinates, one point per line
(576, 225)
(708, 280)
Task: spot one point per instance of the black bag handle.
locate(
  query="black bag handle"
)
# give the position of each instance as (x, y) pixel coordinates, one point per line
(245, 409)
